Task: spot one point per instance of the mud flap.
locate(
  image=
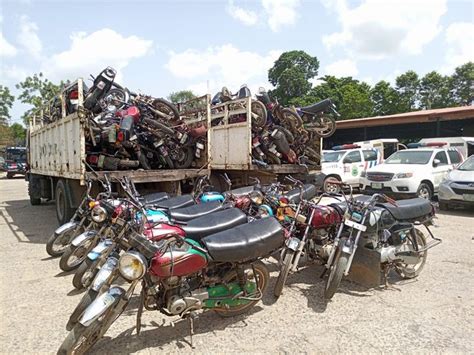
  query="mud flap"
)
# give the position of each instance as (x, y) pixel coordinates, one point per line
(365, 269)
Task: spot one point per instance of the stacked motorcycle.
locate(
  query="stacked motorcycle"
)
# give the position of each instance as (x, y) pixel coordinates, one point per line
(204, 250)
(283, 134)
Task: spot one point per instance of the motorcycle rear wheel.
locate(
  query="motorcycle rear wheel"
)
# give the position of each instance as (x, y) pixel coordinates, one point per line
(335, 276)
(324, 126)
(186, 157)
(167, 108)
(284, 272)
(408, 271)
(291, 120)
(263, 276)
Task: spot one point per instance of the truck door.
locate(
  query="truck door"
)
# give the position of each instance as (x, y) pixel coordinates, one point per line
(353, 166)
(441, 169)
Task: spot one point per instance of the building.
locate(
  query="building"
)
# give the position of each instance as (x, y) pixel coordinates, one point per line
(407, 127)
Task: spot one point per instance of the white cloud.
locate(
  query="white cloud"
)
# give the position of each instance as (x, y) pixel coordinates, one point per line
(6, 49)
(379, 28)
(247, 17)
(223, 65)
(459, 38)
(280, 13)
(90, 53)
(343, 67)
(28, 37)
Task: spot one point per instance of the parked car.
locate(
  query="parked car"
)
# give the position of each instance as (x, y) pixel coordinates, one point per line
(15, 161)
(411, 172)
(346, 163)
(458, 188)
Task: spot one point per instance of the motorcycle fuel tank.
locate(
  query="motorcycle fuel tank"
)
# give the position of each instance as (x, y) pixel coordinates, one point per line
(212, 197)
(179, 261)
(325, 216)
(162, 230)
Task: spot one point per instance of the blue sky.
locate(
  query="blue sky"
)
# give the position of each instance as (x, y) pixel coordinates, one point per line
(164, 46)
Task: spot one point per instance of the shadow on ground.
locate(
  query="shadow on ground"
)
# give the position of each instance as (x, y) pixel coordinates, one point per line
(29, 224)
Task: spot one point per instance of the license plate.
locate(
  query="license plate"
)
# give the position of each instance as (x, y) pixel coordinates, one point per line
(355, 225)
(468, 197)
(376, 185)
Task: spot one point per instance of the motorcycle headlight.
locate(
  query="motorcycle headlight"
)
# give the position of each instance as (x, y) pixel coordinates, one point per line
(403, 175)
(132, 266)
(256, 198)
(98, 214)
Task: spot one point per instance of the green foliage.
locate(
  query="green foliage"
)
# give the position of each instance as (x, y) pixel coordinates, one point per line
(181, 96)
(351, 97)
(291, 74)
(37, 91)
(407, 86)
(18, 132)
(384, 98)
(6, 103)
(463, 84)
(435, 91)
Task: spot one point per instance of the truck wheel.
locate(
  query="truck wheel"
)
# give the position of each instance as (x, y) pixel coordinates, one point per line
(329, 187)
(63, 211)
(33, 191)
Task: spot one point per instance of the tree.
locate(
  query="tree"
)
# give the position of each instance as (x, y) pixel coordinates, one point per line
(407, 86)
(6, 103)
(291, 74)
(434, 91)
(181, 96)
(384, 98)
(463, 84)
(351, 97)
(37, 91)
(18, 132)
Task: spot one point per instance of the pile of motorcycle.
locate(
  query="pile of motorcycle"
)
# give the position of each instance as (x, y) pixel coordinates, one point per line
(280, 134)
(204, 250)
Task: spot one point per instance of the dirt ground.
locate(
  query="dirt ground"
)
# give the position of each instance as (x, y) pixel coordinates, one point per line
(431, 314)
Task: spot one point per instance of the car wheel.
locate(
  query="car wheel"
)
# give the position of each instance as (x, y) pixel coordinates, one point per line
(329, 186)
(424, 191)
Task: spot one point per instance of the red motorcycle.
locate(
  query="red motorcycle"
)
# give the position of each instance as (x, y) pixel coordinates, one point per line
(179, 276)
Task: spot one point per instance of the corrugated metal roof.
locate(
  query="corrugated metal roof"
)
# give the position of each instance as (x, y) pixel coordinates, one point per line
(448, 113)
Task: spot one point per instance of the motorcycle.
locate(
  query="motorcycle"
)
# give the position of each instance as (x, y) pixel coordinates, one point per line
(315, 118)
(380, 234)
(180, 276)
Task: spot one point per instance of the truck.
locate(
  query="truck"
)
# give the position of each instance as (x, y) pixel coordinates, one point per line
(56, 154)
(15, 161)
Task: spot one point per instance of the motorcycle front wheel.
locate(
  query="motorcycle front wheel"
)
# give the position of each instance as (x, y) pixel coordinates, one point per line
(167, 110)
(284, 271)
(74, 256)
(57, 243)
(259, 114)
(85, 273)
(80, 339)
(263, 276)
(86, 300)
(323, 126)
(336, 272)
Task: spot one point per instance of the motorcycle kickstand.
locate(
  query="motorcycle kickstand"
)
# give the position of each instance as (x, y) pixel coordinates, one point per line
(191, 317)
(140, 311)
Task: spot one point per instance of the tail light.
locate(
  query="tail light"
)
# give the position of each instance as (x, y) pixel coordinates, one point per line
(120, 136)
(73, 95)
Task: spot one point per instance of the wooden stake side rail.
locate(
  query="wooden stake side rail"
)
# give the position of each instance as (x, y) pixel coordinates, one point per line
(143, 176)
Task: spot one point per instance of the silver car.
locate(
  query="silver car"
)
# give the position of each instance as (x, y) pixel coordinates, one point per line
(458, 188)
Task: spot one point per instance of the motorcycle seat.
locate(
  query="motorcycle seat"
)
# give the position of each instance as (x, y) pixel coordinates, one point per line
(245, 242)
(309, 191)
(188, 213)
(410, 209)
(241, 191)
(176, 202)
(213, 223)
(317, 107)
(153, 198)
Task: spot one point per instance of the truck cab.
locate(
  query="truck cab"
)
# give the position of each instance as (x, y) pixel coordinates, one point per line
(346, 163)
(386, 146)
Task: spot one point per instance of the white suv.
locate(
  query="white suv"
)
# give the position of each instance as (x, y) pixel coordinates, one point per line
(411, 172)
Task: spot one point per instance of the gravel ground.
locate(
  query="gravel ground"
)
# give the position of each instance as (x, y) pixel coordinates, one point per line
(431, 314)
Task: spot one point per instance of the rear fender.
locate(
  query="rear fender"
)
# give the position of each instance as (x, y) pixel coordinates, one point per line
(81, 238)
(101, 304)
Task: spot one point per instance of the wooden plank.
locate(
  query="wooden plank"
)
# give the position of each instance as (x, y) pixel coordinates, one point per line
(141, 176)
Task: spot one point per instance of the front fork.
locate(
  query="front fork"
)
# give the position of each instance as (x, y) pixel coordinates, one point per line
(302, 243)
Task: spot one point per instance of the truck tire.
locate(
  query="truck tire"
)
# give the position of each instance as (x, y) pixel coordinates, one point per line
(34, 191)
(64, 211)
(10, 175)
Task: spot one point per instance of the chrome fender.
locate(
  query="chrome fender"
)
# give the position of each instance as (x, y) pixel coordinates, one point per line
(81, 238)
(101, 304)
(104, 273)
(99, 249)
(66, 227)
(293, 243)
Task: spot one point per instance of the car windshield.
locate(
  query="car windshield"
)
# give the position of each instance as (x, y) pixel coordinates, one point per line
(332, 157)
(468, 165)
(410, 157)
(16, 155)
